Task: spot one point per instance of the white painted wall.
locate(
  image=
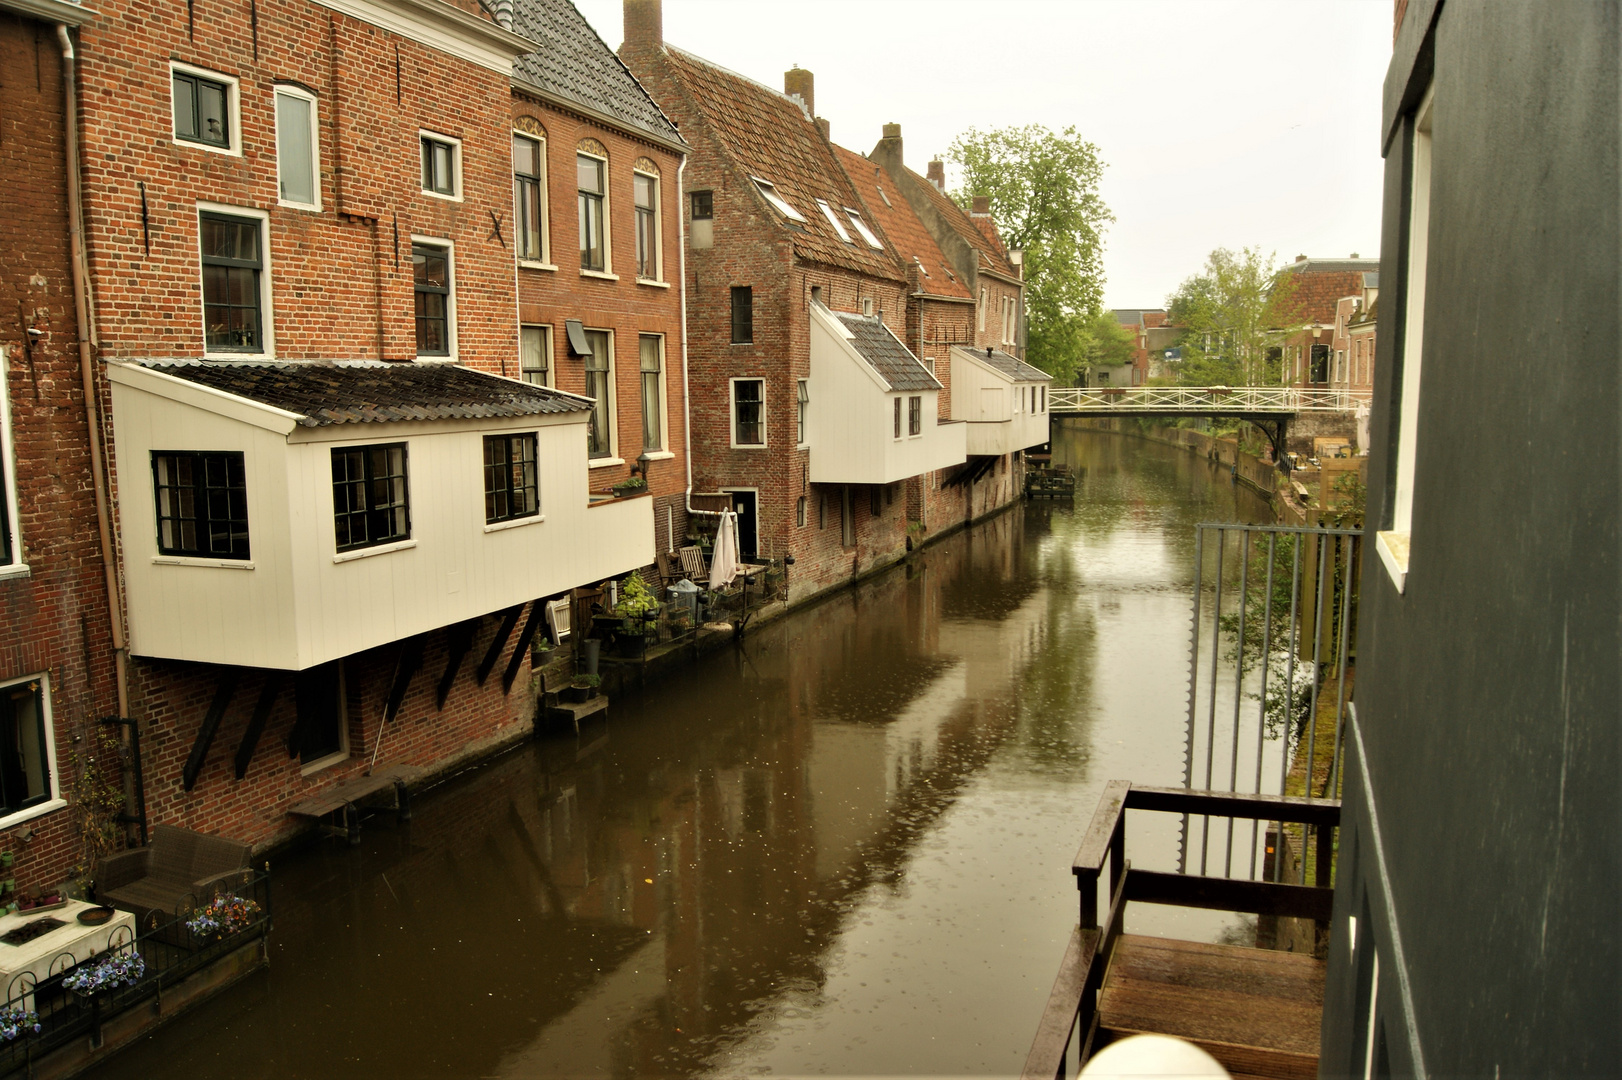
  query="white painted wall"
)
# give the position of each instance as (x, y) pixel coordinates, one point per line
(851, 420)
(292, 605)
(996, 408)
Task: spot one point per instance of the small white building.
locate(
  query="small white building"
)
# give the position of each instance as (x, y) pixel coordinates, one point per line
(872, 415)
(1003, 399)
(282, 515)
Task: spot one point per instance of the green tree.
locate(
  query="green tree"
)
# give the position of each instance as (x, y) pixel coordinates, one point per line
(1043, 187)
(1106, 343)
(1235, 314)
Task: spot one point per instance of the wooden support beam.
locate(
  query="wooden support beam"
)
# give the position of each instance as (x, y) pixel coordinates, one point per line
(210, 725)
(458, 642)
(509, 619)
(537, 611)
(409, 660)
(1229, 894)
(1235, 805)
(256, 726)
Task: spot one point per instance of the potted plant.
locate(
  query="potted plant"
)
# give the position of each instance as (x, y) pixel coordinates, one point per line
(633, 485)
(227, 914)
(106, 972)
(639, 609)
(17, 1022)
(582, 689)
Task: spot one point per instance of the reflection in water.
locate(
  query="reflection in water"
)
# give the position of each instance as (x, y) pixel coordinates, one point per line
(842, 848)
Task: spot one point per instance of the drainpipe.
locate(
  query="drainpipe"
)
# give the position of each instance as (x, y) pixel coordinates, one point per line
(686, 402)
(92, 402)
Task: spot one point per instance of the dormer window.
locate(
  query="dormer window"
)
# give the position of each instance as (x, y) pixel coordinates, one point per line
(833, 219)
(861, 227)
(769, 190)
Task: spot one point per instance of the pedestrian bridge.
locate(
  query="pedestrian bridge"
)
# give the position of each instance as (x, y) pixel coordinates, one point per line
(1240, 401)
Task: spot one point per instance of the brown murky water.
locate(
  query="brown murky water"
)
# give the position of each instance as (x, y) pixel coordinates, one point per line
(841, 849)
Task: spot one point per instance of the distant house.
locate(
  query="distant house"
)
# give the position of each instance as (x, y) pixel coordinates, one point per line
(1317, 287)
(1157, 350)
(1475, 918)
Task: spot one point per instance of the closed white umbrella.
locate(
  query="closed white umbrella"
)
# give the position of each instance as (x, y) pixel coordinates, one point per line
(724, 566)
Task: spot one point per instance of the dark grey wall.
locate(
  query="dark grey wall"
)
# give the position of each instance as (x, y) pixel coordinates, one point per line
(1487, 695)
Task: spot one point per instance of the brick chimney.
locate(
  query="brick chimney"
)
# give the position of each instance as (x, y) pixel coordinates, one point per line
(800, 83)
(982, 205)
(644, 23)
(1300, 258)
(937, 175)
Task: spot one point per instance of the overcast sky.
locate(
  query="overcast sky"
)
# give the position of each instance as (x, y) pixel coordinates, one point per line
(1220, 124)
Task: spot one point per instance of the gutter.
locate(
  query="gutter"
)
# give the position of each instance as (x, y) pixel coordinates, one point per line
(94, 422)
(686, 401)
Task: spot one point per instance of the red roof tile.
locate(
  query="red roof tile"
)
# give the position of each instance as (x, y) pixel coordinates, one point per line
(991, 255)
(900, 225)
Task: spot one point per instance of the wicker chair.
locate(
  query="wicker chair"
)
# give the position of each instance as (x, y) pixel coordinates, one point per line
(177, 871)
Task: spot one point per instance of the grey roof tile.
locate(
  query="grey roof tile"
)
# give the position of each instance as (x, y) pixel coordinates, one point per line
(883, 350)
(328, 392)
(1009, 365)
(574, 64)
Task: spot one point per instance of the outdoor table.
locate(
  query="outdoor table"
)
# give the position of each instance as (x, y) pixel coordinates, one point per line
(22, 967)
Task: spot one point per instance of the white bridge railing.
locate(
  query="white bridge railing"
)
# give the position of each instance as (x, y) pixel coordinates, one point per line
(1203, 399)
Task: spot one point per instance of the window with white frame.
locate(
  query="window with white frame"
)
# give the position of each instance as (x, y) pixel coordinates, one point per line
(802, 394)
(206, 108)
(529, 197)
(896, 417)
(27, 747)
(1393, 542)
(11, 548)
(591, 179)
(652, 363)
(434, 289)
(645, 184)
(235, 270)
(298, 149)
(985, 299)
(441, 165)
(599, 360)
(748, 412)
(833, 219)
(861, 227)
(535, 354)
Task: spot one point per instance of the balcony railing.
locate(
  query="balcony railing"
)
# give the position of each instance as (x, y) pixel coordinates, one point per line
(1203, 400)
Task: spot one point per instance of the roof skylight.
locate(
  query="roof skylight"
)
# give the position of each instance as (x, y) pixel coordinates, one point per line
(833, 219)
(861, 227)
(769, 189)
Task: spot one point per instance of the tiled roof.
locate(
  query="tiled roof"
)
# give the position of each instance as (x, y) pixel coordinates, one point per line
(575, 65)
(892, 360)
(1331, 266)
(1317, 291)
(960, 222)
(1011, 366)
(901, 226)
(329, 392)
(768, 135)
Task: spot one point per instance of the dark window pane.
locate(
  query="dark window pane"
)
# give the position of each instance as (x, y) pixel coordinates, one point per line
(212, 122)
(703, 205)
(202, 504)
(185, 102)
(743, 314)
(25, 776)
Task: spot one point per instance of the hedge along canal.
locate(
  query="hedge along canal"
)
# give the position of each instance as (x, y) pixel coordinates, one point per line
(842, 847)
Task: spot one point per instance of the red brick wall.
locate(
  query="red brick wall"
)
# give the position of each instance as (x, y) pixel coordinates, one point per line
(53, 619)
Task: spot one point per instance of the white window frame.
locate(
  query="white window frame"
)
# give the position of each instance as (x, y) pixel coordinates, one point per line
(658, 224)
(545, 262)
(919, 398)
(833, 219)
(664, 452)
(867, 234)
(17, 567)
(341, 755)
(867, 306)
(456, 164)
(607, 272)
(802, 413)
(233, 107)
(732, 414)
(288, 90)
(450, 299)
(546, 350)
(613, 457)
(1393, 544)
(56, 801)
(267, 311)
(768, 191)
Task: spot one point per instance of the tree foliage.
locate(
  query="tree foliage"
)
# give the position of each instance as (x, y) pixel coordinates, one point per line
(1234, 315)
(1106, 343)
(1043, 187)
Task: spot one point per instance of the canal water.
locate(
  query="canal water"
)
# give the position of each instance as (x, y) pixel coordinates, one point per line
(842, 848)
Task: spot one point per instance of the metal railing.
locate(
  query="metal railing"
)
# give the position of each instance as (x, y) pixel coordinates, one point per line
(171, 953)
(1203, 400)
(1271, 652)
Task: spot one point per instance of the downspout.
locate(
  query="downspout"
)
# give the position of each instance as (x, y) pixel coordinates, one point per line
(92, 402)
(686, 401)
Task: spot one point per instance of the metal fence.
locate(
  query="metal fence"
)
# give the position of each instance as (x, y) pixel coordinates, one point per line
(1272, 665)
(1203, 400)
(170, 951)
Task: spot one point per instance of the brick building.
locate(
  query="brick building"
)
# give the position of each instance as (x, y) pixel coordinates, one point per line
(1155, 344)
(340, 505)
(809, 411)
(1319, 285)
(57, 632)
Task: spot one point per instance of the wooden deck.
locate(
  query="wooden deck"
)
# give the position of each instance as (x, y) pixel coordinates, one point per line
(1256, 1011)
(353, 790)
